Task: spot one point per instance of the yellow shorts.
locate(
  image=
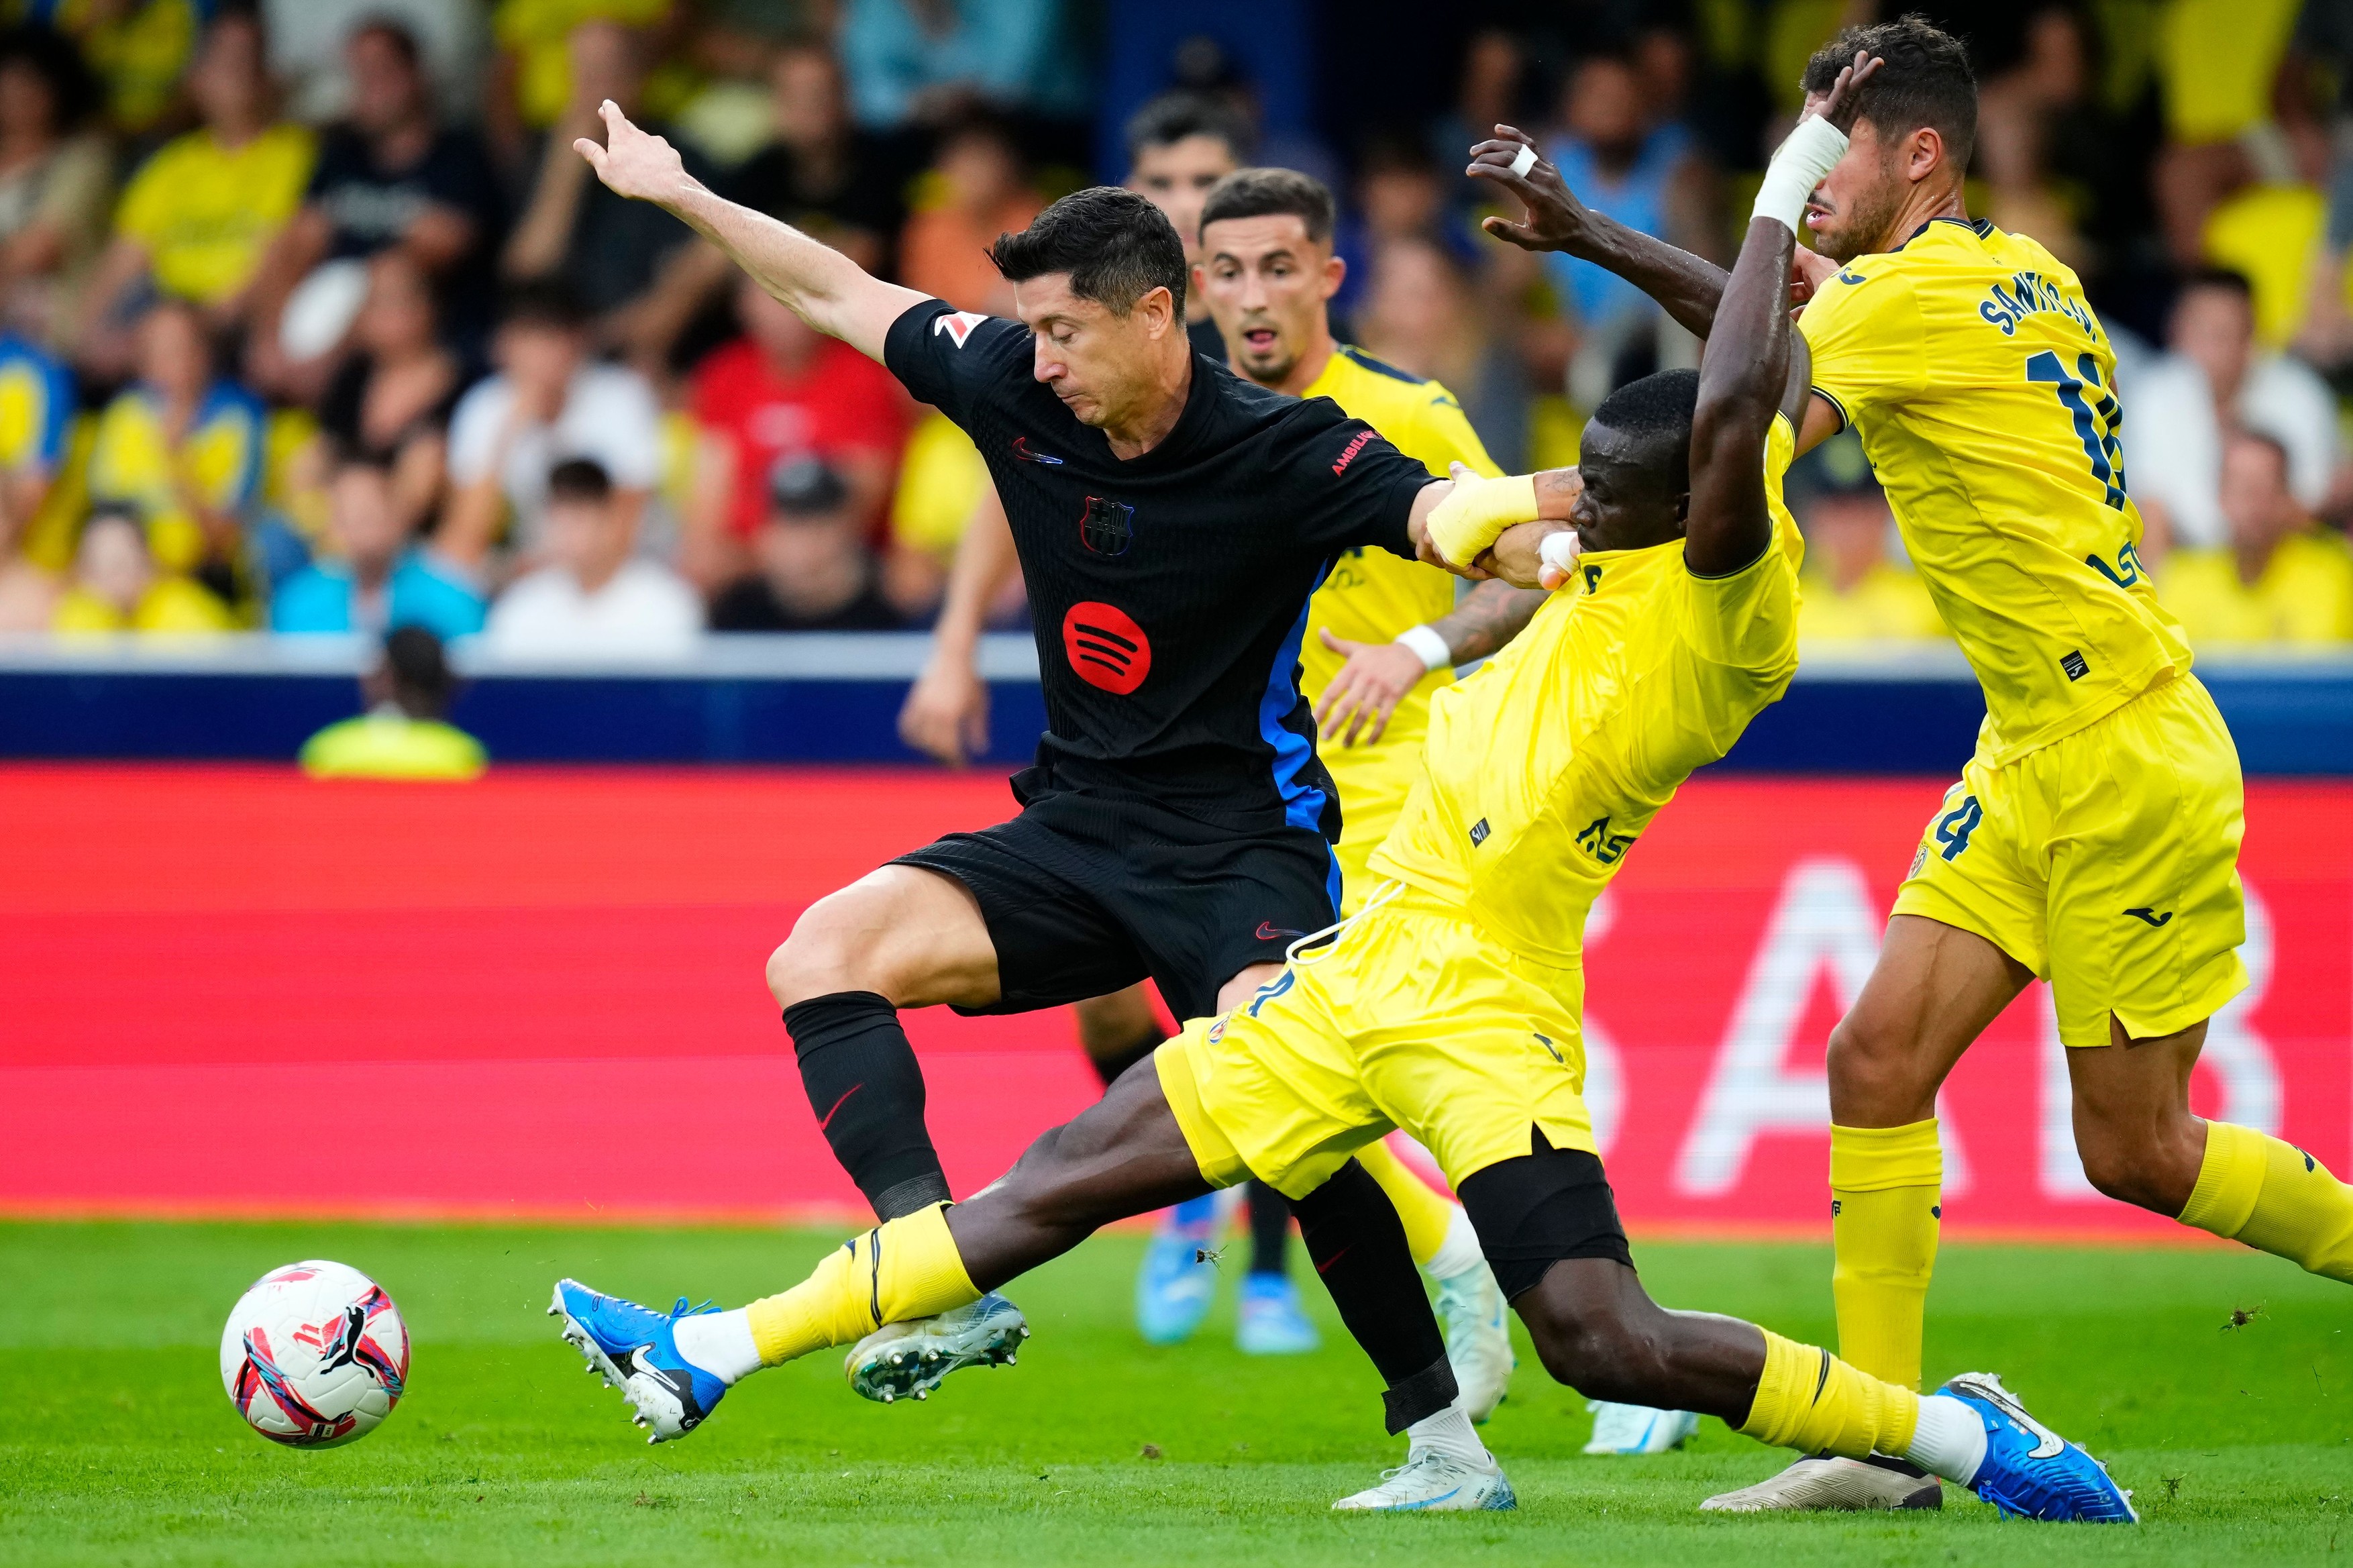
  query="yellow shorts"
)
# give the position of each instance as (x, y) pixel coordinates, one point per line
(1413, 1018)
(1373, 782)
(2106, 862)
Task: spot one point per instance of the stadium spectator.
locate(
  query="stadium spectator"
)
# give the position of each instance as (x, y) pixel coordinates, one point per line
(140, 49)
(116, 586)
(391, 177)
(1421, 315)
(183, 448)
(1852, 590)
(595, 600)
(2278, 580)
(786, 390)
(980, 192)
(2212, 378)
(1645, 176)
(36, 394)
(548, 402)
(376, 578)
(1400, 196)
(57, 181)
(1487, 94)
(814, 572)
(606, 250)
(1179, 145)
(390, 400)
(533, 81)
(197, 218)
(310, 50)
(2018, 114)
(404, 733)
(928, 61)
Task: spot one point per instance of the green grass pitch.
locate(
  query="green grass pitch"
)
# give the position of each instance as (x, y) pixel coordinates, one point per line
(118, 1447)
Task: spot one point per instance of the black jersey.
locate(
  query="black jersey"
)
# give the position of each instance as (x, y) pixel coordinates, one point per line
(1169, 591)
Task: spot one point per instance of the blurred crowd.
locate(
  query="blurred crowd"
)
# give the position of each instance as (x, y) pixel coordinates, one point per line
(314, 322)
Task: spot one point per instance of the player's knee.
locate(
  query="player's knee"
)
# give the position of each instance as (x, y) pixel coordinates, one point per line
(1594, 1347)
(819, 958)
(1874, 1068)
(2132, 1170)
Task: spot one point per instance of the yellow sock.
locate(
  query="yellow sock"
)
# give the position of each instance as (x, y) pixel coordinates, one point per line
(1426, 1215)
(1885, 1184)
(1809, 1400)
(907, 1269)
(2275, 1197)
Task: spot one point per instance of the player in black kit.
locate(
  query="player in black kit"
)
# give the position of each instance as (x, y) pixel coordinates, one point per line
(1172, 521)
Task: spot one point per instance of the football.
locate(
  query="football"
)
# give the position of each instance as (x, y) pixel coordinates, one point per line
(315, 1354)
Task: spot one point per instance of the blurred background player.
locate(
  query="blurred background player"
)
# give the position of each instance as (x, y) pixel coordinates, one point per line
(1382, 633)
(404, 733)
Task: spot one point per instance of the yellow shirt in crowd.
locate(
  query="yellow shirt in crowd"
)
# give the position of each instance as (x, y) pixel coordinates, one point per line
(174, 606)
(204, 211)
(1889, 602)
(389, 744)
(1545, 766)
(1983, 389)
(218, 463)
(2303, 597)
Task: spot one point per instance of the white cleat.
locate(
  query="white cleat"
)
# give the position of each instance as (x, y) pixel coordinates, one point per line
(1434, 1483)
(1827, 1483)
(1478, 1338)
(907, 1361)
(1638, 1428)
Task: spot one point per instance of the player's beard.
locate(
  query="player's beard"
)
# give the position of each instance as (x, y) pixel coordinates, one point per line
(1870, 213)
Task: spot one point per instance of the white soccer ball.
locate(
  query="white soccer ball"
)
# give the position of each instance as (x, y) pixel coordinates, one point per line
(315, 1354)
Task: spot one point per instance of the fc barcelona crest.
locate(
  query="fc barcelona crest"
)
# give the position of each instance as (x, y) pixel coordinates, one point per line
(1109, 526)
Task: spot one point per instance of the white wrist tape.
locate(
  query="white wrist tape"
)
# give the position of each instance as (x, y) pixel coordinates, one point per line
(1559, 551)
(1523, 160)
(1812, 149)
(1427, 646)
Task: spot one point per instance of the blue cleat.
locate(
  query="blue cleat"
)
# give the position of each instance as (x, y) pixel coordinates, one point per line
(1174, 1287)
(1272, 1320)
(633, 1347)
(2032, 1472)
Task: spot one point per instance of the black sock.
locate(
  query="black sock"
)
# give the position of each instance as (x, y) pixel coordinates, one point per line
(1269, 1222)
(1117, 1060)
(1358, 1245)
(868, 1094)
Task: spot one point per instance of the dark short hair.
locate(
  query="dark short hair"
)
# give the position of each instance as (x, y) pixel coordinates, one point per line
(1272, 193)
(579, 478)
(422, 683)
(393, 31)
(1174, 116)
(1924, 79)
(371, 460)
(1116, 247)
(1657, 410)
(2230, 279)
(74, 89)
(543, 303)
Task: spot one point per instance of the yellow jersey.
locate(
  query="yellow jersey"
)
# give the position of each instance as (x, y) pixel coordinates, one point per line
(389, 744)
(2304, 597)
(172, 606)
(205, 212)
(1983, 389)
(1371, 595)
(217, 460)
(1545, 766)
(1887, 602)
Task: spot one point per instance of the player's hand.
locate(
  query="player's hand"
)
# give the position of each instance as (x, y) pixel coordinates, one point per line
(1809, 271)
(633, 163)
(1840, 104)
(1557, 220)
(1367, 689)
(946, 712)
(1462, 526)
(1517, 557)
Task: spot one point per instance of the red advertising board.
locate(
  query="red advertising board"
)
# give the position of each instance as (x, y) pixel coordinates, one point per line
(229, 991)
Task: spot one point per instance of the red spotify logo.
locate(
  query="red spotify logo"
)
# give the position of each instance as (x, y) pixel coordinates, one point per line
(1107, 646)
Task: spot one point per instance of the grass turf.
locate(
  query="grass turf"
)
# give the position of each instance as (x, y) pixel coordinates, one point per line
(118, 1447)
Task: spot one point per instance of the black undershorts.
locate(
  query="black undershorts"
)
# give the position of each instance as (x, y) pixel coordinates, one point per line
(1087, 893)
(1532, 1213)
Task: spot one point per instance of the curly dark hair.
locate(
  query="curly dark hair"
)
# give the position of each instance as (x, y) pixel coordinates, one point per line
(1925, 80)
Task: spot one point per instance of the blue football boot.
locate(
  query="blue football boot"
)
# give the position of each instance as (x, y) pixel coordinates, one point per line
(1174, 1287)
(1272, 1321)
(633, 1347)
(2032, 1472)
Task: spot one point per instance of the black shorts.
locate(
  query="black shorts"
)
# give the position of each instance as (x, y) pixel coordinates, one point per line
(1532, 1213)
(1086, 894)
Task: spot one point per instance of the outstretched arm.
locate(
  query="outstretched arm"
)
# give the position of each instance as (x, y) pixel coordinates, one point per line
(1745, 369)
(820, 285)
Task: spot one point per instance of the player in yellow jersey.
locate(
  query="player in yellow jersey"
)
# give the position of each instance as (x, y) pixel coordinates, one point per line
(1383, 633)
(2094, 839)
(1449, 1004)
